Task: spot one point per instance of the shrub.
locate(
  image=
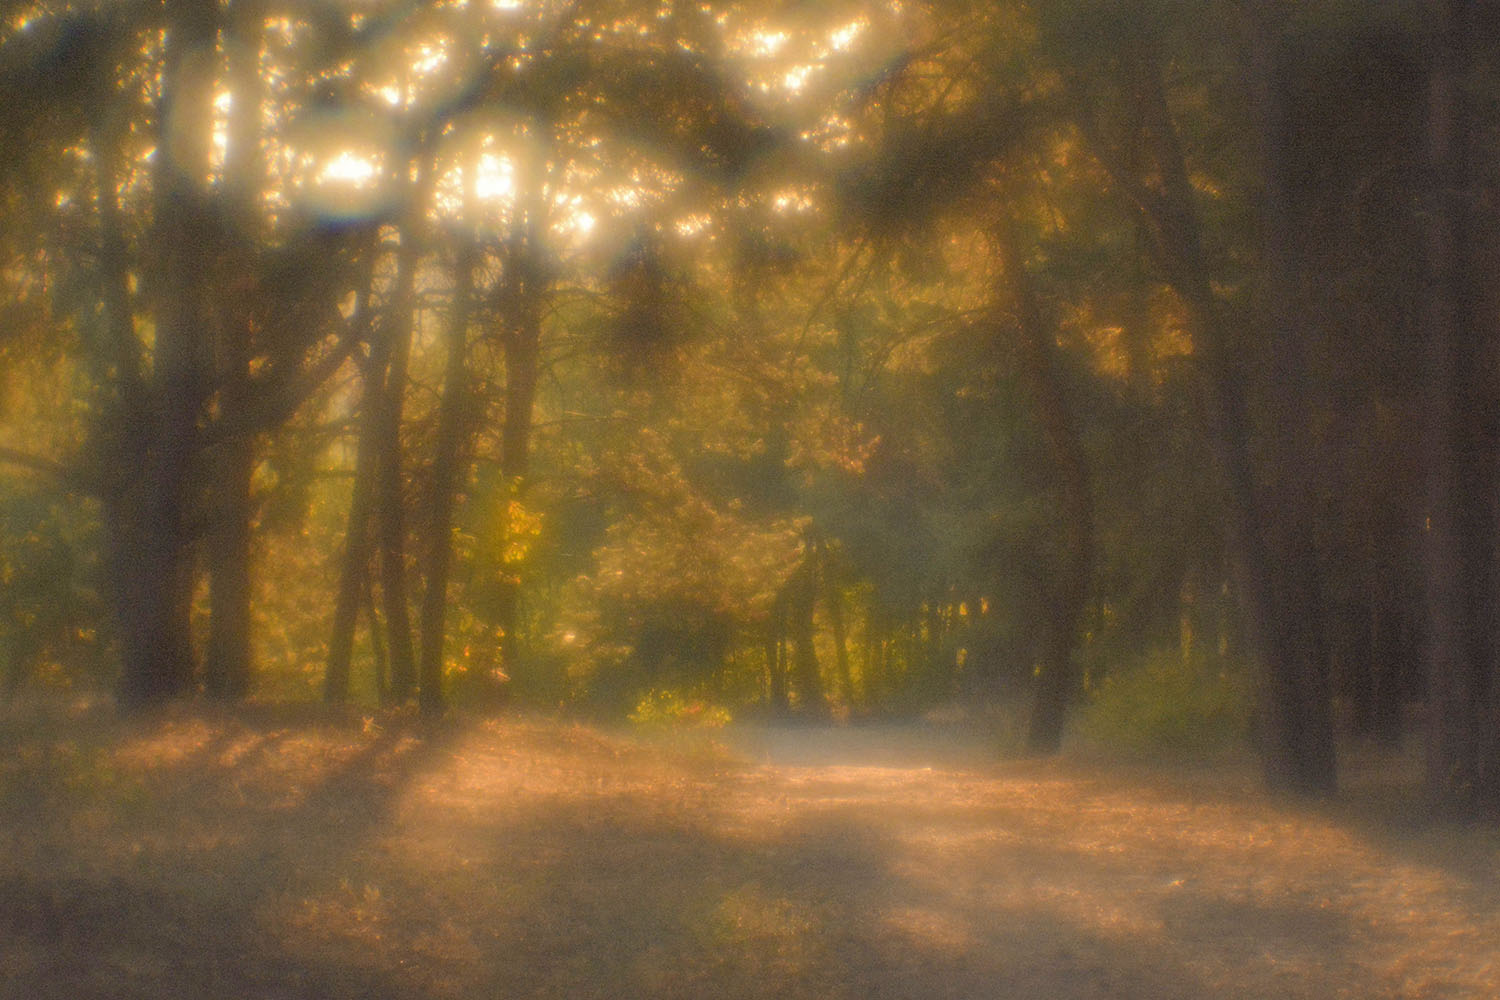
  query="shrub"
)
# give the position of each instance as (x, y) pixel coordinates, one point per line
(669, 710)
(1165, 703)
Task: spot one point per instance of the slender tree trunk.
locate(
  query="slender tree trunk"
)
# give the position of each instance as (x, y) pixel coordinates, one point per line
(1057, 679)
(802, 590)
(390, 498)
(524, 288)
(355, 570)
(776, 659)
(833, 598)
(447, 473)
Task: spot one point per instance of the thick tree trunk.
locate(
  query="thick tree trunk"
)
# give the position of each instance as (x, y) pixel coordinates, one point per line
(149, 574)
(382, 661)
(1268, 535)
(1057, 678)
(228, 663)
(1296, 708)
(1463, 692)
(150, 523)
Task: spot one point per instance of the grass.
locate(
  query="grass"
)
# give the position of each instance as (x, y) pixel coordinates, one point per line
(257, 854)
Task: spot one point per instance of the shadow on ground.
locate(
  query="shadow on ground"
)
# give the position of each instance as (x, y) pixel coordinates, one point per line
(251, 857)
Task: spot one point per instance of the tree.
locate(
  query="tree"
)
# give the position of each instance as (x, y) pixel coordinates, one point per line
(1463, 764)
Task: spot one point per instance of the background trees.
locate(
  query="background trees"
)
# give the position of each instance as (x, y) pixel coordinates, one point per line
(852, 360)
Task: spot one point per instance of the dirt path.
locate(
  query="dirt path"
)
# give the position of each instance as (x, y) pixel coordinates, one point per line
(258, 858)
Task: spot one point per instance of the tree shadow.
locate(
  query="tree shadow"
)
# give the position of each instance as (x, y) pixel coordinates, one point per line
(180, 911)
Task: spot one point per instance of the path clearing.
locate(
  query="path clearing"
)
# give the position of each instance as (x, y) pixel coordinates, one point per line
(253, 857)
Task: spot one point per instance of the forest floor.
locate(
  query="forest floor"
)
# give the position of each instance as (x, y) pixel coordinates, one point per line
(263, 855)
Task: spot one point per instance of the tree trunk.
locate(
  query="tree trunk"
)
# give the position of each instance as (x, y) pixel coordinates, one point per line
(802, 592)
(228, 664)
(382, 663)
(151, 565)
(525, 285)
(833, 597)
(776, 660)
(1057, 679)
(1271, 572)
(149, 578)
(1296, 705)
(390, 498)
(447, 473)
(355, 570)
(1463, 703)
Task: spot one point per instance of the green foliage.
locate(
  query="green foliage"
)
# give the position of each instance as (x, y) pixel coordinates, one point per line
(1166, 703)
(658, 709)
(49, 608)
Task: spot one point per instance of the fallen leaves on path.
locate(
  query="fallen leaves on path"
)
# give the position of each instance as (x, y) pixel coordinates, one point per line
(261, 856)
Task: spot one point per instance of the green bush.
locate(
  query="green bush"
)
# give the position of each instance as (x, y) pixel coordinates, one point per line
(669, 710)
(1165, 703)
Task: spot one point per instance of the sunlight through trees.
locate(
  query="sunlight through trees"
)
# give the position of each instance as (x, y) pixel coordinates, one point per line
(838, 360)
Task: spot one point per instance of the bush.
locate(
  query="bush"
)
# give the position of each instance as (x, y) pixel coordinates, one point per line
(1166, 703)
(669, 710)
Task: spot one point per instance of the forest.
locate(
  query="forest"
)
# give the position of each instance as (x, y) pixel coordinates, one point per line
(764, 359)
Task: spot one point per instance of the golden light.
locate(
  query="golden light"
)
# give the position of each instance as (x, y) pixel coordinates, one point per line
(348, 168)
(223, 104)
(765, 43)
(792, 200)
(692, 225)
(496, 178)
(581, 222)
(796, 78)
(842, 38)
(339, 164)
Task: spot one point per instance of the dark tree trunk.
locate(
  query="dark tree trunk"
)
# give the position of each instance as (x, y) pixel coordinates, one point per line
(776, 660)
(355, 570)
(228, 663)
(1391, 655)
(151, 557)
(447, 474)
(1463, 751)
(833, 598)
(523, 290)
(390, 498)
(1296, 710)
(382, 661)
(801, 592)
(149, 573)
(1271, 570)
(1057, 679)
